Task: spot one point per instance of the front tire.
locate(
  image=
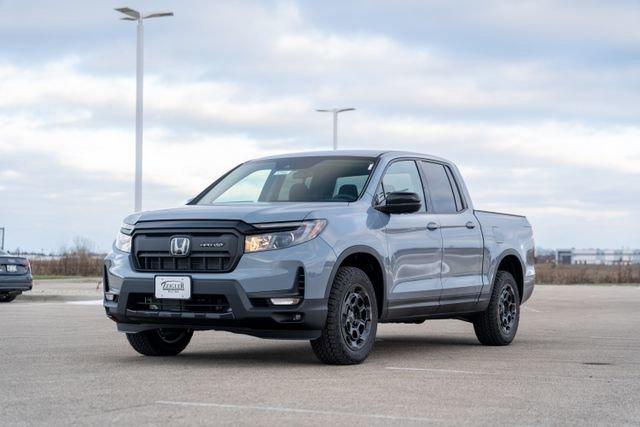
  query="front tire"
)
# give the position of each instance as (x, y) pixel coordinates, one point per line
(7, 297)
(160, 342)
(352, 320)
(499, 323)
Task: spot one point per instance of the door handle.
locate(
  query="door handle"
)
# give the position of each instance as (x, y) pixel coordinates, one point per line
(470, 225)
(433, 226)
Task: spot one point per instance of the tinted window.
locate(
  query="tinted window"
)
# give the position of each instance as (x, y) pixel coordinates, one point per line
(456, 190)
(439, 188)
(296, 179)
(401, 176)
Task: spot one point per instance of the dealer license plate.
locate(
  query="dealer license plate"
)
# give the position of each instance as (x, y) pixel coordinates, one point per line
(173, 287)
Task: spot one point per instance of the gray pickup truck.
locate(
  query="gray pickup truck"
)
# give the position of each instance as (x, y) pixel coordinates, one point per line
(320, 246)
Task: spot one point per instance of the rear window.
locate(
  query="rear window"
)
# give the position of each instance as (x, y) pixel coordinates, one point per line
(355, 184)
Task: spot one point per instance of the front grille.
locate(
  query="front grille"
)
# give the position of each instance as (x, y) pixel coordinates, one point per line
(214, 252)
(197, 304)
(194, 263)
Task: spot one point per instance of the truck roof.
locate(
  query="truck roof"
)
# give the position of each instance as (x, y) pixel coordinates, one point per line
(354, 153)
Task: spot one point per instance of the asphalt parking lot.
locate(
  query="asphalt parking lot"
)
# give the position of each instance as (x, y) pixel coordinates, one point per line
(576, 360)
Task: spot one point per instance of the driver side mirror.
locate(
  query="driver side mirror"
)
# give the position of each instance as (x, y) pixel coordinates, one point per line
(400, 202)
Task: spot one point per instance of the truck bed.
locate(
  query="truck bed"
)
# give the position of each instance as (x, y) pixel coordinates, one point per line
(501, 228)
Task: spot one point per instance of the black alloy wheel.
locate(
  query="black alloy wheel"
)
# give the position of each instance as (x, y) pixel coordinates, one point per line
(507, 310)
(356, 317)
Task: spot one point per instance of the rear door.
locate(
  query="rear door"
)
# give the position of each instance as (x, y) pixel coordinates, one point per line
(415, 251)
(462, 242)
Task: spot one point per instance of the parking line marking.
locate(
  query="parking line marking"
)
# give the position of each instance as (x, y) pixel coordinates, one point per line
(615, 338)
(90, 302)
(293, 410)
(527, 308)
(446, 371)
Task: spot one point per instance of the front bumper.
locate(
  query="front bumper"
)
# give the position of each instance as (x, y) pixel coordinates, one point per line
(15, 283)
(246, 291)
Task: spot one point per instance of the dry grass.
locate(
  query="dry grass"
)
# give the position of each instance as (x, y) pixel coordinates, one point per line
(587, 274)
(71, 264)
(80, 260)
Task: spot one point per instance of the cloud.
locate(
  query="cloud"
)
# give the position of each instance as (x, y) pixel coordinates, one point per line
(535, 101)
(9, 175)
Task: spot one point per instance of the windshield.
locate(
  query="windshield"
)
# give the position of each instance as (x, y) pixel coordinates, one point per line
(298, 179)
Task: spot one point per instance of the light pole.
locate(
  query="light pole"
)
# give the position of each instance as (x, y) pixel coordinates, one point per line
(134, 15)
(335, 112)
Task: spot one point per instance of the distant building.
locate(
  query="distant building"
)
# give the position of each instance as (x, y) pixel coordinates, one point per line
(544, 256)
(598, 256)
(564, 256)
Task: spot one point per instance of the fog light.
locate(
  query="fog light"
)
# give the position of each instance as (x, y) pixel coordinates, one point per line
(109, 296)
(285, 301)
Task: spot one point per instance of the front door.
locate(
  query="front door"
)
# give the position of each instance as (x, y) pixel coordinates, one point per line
(415, 247)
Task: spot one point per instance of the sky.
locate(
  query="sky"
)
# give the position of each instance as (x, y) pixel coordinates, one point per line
(537, 102)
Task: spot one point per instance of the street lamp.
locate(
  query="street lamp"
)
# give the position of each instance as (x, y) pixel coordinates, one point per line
(335, 112)
(134, 15)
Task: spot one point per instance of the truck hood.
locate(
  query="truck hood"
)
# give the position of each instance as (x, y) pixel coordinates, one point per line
(250, 213)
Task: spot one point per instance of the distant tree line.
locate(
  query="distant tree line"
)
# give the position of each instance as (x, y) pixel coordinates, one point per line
(78, 260)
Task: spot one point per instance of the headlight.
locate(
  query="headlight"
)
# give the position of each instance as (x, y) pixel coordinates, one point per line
(306, 231)
(123, 241)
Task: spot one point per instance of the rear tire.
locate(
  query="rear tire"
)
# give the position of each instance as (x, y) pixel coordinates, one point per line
(352, 320)
(160, 342)
(499, 323)
(7, 297)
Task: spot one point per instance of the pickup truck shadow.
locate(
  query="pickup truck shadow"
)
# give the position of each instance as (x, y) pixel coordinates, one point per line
(286, 354)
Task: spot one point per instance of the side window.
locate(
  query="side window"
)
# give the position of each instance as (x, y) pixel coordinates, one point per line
(457, 194)
(439, 188)
(402, 176)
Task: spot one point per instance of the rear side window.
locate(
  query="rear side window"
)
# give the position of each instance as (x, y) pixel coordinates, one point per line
(440, 189)
(456, 190)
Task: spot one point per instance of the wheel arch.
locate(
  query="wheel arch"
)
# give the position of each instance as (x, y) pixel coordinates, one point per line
(371, 262)
(511, 262)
